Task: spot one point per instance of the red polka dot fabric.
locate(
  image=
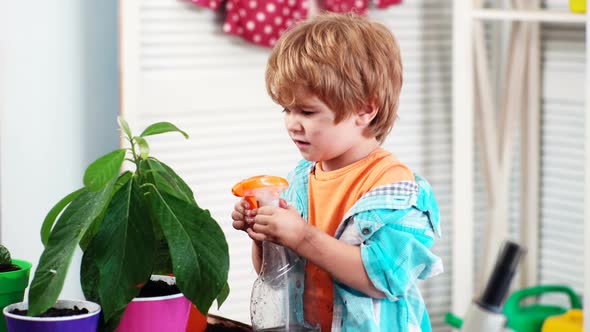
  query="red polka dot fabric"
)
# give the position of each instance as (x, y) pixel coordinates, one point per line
(263, 21)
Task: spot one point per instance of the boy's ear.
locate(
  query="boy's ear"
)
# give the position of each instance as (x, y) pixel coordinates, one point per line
(367, 114)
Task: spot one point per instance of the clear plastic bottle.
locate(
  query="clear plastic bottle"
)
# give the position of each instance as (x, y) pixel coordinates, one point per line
(273, 304)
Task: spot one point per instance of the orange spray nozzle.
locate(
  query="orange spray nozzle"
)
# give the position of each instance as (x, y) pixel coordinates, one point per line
(255, 186)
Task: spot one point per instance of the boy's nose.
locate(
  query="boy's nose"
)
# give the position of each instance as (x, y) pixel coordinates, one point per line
(292, 124)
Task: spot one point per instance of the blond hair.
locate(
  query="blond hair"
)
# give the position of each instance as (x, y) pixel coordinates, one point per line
(346, 60)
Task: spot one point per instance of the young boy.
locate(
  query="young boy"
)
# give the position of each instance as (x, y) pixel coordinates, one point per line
(360, 218)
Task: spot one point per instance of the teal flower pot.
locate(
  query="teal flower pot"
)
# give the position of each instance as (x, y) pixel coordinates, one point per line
(12, 287)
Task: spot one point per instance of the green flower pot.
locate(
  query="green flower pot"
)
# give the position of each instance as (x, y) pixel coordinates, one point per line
(12, 287)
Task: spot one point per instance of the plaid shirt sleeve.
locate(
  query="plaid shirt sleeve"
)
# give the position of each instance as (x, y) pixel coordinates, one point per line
(396, 256)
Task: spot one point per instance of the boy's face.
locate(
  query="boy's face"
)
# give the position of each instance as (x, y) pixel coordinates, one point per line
(311, 126)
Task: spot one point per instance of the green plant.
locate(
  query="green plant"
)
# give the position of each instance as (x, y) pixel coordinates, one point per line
(6, 264)
(131, 225)
(4, 256)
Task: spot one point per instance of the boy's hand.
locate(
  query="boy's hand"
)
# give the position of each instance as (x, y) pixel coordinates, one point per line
(239, 215)
(243, 218)
(282, 225)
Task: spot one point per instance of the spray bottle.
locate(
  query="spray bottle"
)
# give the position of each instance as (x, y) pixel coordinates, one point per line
(485, 313)
(273, 307)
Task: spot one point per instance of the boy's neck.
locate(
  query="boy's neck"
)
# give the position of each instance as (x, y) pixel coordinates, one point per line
(356, 153)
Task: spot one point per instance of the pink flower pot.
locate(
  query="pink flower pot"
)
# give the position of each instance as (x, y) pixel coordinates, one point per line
(155, 314)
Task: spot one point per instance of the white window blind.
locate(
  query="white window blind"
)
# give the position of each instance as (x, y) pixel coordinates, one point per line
(178, 66)
(562, 156)
(422, 136)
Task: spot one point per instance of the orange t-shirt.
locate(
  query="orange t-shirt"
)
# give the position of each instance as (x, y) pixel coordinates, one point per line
(331, 195)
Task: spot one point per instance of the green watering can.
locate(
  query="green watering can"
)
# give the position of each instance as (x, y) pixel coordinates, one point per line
(530, 318)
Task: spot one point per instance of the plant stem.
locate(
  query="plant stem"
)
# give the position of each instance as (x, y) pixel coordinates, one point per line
(135, 158)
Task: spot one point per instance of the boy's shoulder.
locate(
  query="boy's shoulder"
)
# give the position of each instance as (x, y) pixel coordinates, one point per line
(300, 173)
(401, 200)
(297, 190)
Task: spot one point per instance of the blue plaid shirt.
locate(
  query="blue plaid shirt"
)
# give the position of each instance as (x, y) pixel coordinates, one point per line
(395, 226)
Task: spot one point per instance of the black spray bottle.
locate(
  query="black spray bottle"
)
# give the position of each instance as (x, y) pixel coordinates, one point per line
(485, 313)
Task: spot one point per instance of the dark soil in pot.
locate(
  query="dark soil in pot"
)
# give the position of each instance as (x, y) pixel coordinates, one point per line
(154, 288)
(223, 328)
(53, 312)
(8, 267)
(221, 324)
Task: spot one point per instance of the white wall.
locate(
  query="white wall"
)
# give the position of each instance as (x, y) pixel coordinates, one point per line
(58, 104)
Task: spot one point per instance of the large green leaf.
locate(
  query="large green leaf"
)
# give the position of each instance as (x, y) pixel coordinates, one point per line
(161, 175)
(123, 250)
(197, 244)
(162, 259)
(161, 127)
(222, 296)
(54, 212)
(93, 228)
(104, 169)
(181, 185)
(65, 236)
(4, 255)
(90, 276)
(165, 179)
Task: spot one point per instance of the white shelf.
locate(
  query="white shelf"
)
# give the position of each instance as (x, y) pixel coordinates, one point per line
(546, 16)
(465, 14)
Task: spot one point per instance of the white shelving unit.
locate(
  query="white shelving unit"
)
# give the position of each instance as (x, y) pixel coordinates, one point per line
(544, 16)
(470, 78)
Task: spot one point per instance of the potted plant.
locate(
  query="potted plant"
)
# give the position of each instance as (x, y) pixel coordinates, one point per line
(14, 278)
(64, 316)
(131, 225)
